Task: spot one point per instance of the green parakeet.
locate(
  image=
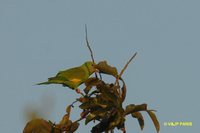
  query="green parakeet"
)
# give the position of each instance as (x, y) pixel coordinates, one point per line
(72, 77)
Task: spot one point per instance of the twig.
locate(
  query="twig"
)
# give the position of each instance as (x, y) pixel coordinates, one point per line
(88, 45)
(124, 68)
(72, 104)
(122, 71)
(79, 119)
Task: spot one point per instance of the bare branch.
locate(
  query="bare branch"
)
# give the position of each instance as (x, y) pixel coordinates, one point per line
(122, 71)
(124, 68)
(91, 53)
(88, 44)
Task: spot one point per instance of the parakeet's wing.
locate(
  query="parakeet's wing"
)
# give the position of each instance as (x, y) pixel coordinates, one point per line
(60, 80)
(78, 73)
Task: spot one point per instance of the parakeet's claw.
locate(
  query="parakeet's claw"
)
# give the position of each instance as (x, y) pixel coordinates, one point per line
(78, 91)
(123, 130)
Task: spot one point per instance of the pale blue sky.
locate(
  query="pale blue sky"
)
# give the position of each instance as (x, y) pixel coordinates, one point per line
(40, 37)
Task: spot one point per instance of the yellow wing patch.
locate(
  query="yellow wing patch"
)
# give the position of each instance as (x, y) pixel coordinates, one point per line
(75, 80)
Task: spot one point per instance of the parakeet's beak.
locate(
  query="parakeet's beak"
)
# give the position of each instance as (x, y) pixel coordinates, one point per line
(96, 70)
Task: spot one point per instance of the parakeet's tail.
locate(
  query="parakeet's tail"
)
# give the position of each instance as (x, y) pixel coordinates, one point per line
(53, 80)
(44, 83)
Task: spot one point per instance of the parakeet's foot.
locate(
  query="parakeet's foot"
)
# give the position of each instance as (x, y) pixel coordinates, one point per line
(123, 130)
(79, 91)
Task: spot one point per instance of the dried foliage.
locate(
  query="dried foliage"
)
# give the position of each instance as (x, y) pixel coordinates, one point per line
(100, 102)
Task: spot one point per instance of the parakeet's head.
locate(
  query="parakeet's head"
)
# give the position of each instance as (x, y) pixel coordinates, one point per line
(90, 67)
